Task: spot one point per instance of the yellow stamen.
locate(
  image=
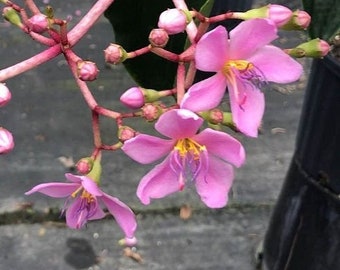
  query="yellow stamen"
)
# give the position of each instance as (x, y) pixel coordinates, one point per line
(241, 65)
(84, 195)
(185, 146)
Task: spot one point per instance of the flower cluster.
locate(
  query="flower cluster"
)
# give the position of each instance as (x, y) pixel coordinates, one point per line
(196, 147)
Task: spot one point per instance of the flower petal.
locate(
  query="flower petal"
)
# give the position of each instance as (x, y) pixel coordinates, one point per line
(146, 149)
(55, 189)
(178, 124)
(248, 115)
(276, 65)
(90, 186)
(206, 94)
(80, 211)
(222, 145)
(73, 177)
(212, 50)
(249, 36)
(213, 187)
(122, 213)
(158, 183)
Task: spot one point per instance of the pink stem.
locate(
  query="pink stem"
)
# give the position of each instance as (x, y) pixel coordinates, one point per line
(74, 36)
(180, 82)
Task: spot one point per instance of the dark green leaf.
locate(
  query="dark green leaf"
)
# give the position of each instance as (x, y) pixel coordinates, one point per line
(325, 17)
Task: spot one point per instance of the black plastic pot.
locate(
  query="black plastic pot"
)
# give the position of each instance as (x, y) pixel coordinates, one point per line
(304, 232)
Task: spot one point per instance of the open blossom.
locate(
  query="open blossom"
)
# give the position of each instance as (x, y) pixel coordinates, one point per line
(205, 158)
(243, 64)
(85, 196)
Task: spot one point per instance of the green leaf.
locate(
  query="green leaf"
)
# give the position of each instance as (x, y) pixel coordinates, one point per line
(132, 21)
(325, 18)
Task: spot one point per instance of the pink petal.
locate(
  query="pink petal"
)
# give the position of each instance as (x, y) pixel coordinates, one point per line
(158, 183)
(248, 115)
(276, 65)
(122, 214)
(146, 149)
(55, 189)
(212, 50)
(79, 212)
(249, 36)
(206, 94)
(213, 188)
(73, 178)
(91, 187)
(178, 124)
(222, 145)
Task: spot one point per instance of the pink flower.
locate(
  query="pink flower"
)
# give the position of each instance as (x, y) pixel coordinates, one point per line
(243, 64)
(205, 158)
(85, 205)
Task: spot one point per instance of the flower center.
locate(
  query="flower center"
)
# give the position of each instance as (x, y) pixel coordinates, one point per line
(240, 65)
(188, 160)
(188, 146)
(84, 195)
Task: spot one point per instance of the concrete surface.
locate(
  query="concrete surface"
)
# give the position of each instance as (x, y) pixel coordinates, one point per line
(49, 120)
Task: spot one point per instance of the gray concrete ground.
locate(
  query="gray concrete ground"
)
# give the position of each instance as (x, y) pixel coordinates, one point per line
(49, 120)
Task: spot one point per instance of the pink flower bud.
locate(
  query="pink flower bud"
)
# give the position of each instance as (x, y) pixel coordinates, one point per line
(6, 141)
(280, 15)
(126, 133)
(128, 241)
(324, 47)
(302, 18)
(38, 23)
(5, 95)
(85, 165)
(87, 70)
(173, 21)
(115, 54)
(152, 112)
(314, 48)
(133, 98)
(158, 38)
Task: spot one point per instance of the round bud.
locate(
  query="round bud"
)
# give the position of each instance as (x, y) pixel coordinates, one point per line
(38, 23)
(87, 70)
(115, 54)
(133, 98)
(158, 38)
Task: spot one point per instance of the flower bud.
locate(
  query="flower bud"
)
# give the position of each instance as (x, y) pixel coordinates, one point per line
(85, 165)
(128, 241)
(133, 98)
(5, 95)
(115, 54)
(174, 20)
(315, 48)
(6, 141)
(152, 112)
(158, 38)
(12, 16)
(38, 23)
(87, 70)
(126, 133)
(278, 14)
(300, 20)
